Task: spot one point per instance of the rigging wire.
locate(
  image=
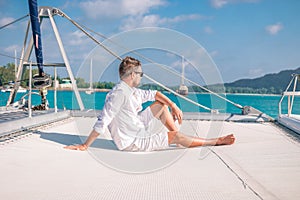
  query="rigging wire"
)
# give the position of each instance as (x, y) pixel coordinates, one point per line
(166, 88)
(14, 57)
(59, 12)
(14, 21)
(165, 68)
(9, 56)
(181, 96)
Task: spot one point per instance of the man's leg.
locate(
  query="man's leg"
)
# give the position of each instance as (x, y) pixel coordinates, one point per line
(178, 138)
(161, 112)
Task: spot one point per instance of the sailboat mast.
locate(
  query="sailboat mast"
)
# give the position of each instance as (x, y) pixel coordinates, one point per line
(16, 63)
(91, 74)
(182, 72)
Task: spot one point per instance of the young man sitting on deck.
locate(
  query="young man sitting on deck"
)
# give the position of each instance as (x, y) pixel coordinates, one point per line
(135, 130)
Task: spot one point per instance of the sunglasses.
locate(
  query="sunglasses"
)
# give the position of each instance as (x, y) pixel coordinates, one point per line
(140, 73)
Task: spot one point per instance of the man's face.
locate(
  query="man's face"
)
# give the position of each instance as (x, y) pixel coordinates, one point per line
(138, 73)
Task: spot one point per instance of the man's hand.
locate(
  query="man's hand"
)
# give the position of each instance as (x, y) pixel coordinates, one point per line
(176, 113)
(81, 147)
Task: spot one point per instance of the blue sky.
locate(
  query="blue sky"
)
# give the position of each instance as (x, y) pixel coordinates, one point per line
(245, 38)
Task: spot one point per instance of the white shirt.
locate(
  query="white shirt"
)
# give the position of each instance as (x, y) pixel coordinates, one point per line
(120, 113)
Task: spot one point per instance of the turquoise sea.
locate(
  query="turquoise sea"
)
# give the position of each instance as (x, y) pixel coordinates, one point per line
(265, 103)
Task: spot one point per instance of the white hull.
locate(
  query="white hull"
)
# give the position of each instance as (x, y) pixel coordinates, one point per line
(89, 91)
(21, 90)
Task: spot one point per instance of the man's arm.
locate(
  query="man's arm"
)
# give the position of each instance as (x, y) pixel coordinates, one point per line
(176, 112)
(82, 147)
(111, 107)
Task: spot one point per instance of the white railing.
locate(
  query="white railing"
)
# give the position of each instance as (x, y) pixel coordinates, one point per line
(30, 91)
(290, 94)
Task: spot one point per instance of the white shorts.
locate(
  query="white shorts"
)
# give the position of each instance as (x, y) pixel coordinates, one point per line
(155, 136)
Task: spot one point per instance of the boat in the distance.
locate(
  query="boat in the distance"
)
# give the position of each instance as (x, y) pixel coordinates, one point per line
(183, 89)
(90, 89)
(65, 84)
(10, 86)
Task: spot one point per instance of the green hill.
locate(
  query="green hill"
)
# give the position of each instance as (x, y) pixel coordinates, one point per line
(270, 83)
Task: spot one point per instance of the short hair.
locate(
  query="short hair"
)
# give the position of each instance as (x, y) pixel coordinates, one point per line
(127, 66)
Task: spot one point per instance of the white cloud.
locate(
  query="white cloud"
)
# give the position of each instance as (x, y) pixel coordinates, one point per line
(213, 53)
(68, 4)
(118, 8)
(155, 20)
(274, 29)
(208, 30)
(77, 38)
(178, 64)
(6, 20)
(182, 18)
(12, 48)
(218, 3)
(221, 3)
(134, 13)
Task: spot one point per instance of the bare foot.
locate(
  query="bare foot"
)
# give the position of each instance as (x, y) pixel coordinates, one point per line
(226, 140)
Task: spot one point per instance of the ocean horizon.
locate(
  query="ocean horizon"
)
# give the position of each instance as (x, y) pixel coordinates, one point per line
(267, 103)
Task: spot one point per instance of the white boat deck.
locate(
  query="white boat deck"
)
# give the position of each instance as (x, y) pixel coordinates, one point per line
(264, 163)
(291, 121)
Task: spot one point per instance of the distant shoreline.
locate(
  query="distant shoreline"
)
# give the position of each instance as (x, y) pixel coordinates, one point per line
(79, 89)
(246, 94)
(107, 90)
(253, 94)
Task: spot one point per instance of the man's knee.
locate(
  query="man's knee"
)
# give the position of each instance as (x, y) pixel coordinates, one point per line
(175, 137)
(157, 104)
(158, 109)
